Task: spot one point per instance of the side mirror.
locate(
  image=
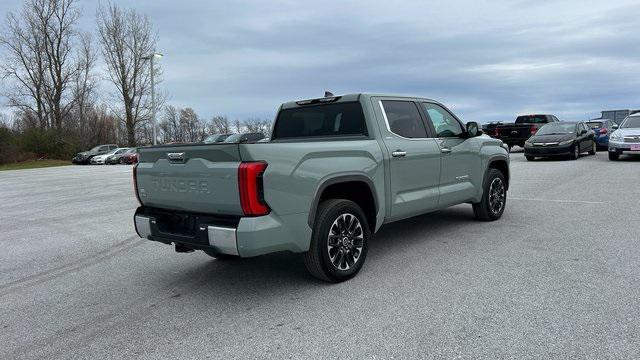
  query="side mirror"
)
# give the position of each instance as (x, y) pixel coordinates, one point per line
(473, 129)
(583, 131)
(615, 126)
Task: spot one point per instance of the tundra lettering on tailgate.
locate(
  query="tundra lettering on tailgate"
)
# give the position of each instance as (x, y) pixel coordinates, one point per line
(181, 185)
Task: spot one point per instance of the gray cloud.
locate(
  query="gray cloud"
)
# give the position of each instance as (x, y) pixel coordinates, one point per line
(488, 60)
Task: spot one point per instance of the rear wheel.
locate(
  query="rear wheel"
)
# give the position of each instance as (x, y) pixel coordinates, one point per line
(494, 197)
(339, 241)
(529, 157)
(613, 156)
(594, 148)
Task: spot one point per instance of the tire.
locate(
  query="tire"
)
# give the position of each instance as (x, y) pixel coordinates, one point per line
(529, 157)
(219, 256)
(575, 153)
(613, 156)
(494, 189)
(343, 259)
(509, 148)
(594, 149)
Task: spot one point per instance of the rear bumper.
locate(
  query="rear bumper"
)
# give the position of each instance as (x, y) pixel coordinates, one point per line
(244, 237)
(219, 238)
(602, 140)
(513, 141)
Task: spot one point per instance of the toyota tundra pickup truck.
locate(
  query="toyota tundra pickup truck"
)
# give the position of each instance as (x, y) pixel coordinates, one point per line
(333, 172)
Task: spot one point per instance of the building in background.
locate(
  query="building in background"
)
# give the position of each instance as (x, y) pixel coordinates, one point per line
(616, 115)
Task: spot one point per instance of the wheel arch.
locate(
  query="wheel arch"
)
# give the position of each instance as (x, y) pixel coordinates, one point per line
(355, 187)
(503, 166)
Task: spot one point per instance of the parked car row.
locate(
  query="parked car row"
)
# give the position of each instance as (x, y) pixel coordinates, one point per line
(546, 136)
(109, 154)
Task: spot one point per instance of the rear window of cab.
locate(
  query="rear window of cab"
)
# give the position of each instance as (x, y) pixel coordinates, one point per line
(531, 119)
(326, 120)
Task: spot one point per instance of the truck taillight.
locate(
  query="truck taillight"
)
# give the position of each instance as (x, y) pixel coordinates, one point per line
(533, 130)
(135, 183)
(251, 189)
(603, 130)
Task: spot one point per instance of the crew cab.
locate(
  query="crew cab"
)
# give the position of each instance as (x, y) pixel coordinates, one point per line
(523, 128)
(333, 172)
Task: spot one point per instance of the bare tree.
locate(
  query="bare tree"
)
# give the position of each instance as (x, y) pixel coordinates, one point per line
(258, 125)
(237, 126)
(170, 125)
(40, 42)
(58, 19)
(190, 124)
(220, 125)
(126, 37)
(84, 86)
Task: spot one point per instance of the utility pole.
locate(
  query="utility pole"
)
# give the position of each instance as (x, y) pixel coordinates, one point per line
(153, 94)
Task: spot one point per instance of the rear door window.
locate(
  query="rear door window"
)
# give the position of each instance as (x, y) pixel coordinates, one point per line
(403, 119)
(338, 119)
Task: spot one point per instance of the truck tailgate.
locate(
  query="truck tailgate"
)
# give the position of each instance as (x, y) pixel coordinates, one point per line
(200, 178)
(514, 131)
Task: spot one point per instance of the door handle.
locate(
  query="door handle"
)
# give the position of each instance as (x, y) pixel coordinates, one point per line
(445, 150)
(399, 153)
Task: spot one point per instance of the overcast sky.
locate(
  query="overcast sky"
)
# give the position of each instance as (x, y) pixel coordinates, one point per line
(487, 60)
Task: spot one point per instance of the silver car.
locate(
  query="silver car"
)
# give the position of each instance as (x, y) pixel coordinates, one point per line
(626, 139)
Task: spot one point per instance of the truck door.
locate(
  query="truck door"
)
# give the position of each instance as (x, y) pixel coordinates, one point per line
(413, 158)
(461, 163)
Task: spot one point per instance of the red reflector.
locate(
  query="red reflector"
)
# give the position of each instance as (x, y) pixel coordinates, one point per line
(250, 186)
(135, 182)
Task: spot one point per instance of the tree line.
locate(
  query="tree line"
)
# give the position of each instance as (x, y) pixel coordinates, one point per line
(52, 84)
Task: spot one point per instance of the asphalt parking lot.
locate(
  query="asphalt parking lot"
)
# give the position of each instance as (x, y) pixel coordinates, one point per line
(557, 277)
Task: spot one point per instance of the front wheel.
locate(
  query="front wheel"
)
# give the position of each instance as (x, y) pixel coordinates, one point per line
(529, 157)
(613, 156)
(339, 241)
(575, 154)
(494, 197)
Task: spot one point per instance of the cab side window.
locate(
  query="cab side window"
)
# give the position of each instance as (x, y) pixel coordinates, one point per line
(443, 122)
(403, 118)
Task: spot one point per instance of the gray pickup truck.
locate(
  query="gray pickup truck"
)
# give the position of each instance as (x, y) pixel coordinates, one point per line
(334, 171)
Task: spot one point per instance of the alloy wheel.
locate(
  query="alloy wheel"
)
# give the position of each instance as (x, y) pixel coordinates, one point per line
(497, 196)
(345, 241)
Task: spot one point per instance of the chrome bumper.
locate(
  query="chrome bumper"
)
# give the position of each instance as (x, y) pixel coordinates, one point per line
(221, 239)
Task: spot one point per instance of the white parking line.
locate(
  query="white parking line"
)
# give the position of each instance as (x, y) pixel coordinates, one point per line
(559, 201)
